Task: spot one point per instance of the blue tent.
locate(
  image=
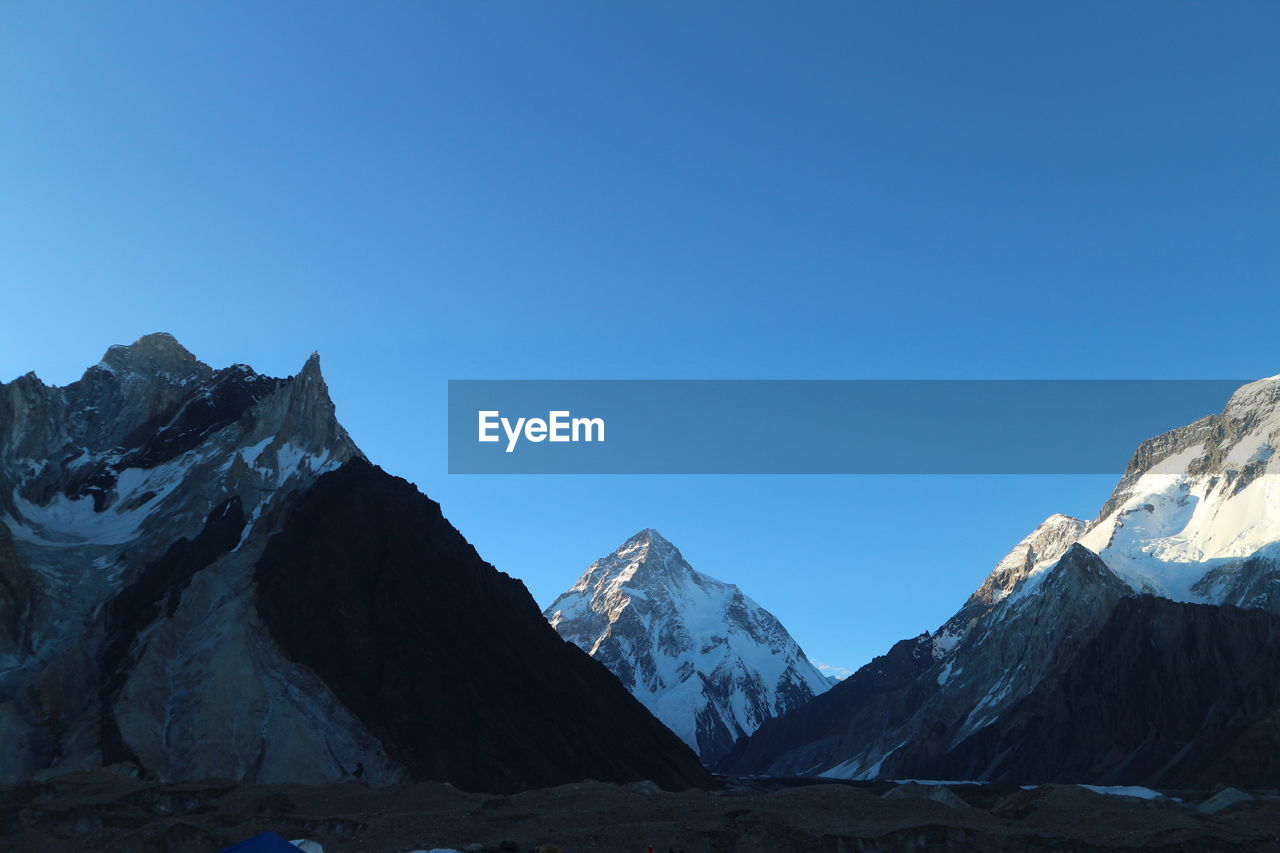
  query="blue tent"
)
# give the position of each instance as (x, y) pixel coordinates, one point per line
(266, 842)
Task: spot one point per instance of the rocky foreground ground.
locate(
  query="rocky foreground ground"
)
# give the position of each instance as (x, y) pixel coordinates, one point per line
(108, 812)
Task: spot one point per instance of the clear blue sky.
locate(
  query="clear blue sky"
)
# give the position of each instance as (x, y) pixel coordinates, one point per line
(425, 191)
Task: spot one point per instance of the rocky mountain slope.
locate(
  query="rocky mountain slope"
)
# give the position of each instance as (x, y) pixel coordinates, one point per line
(1171, 693)
(705, 659)
(1194, 520)
(201, 576)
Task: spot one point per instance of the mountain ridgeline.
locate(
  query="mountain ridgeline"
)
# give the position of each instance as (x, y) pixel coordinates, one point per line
(1138, 649)
(704, 658)
(202, 576)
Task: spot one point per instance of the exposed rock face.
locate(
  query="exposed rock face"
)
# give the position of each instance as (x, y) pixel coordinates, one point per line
(1050, 670)
(802, 742)
(135, 507)
(705, 659)
(1196, 516)
(904, 710)
(155, 593)
(1165, 694)
(1043, 546)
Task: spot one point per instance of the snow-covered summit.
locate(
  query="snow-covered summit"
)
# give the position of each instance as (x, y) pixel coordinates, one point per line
(1059, 624)
(644, 558)
(1040, 549)
(1196, 516)
(704, 658)
(645, 564)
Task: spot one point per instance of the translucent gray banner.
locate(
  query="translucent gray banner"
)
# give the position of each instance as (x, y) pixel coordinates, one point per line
(815, 427)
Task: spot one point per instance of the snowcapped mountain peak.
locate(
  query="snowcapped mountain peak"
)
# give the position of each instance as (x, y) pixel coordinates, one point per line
(707, 661)
(1262, 394)
(1040, 549)
(1048, 542)
(646, 559)
(646, 543)
(1196, 516)
(153, 438)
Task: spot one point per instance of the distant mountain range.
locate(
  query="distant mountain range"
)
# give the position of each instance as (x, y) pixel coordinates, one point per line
(705, 659)
(1136, 649)
(202, 576)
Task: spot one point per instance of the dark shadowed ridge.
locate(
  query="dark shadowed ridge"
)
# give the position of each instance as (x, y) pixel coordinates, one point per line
(827, 717)
(445, 659)
(1163, 694)
(1166, 695)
